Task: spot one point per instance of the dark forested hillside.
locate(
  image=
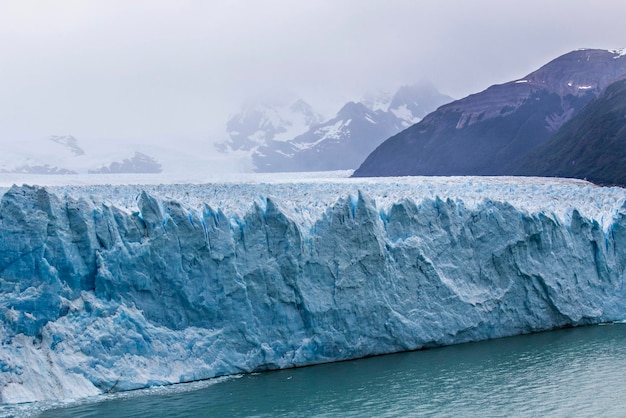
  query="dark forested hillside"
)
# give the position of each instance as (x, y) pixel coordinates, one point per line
(592, 145)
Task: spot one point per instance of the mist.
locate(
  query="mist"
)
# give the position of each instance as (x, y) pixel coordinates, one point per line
(171, 72)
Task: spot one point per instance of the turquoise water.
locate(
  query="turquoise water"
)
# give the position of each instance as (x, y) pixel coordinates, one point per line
(572, 372)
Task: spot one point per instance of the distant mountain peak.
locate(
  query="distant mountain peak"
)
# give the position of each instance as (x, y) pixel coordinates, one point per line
(413, 102)
(420, 98)
(68, 141)
(352, 109)
(379, 100)
(301, 105)
(579, 71)
(138, 163)
(358, 127)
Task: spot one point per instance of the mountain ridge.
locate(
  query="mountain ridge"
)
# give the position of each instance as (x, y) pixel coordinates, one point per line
(483, 133)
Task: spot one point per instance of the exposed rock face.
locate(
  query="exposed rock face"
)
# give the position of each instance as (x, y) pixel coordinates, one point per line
(98, 299)
(483, 133)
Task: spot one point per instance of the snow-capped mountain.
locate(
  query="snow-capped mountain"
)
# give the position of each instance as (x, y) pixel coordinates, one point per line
(258, 123)
(65, 155)
(339, 143)
(344, 141)
(484, 133)
(412, 103)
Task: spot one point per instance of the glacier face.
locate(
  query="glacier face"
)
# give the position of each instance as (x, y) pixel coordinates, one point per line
(168, 285)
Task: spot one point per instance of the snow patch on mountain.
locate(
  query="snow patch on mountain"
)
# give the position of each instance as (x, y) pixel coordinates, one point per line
(335, 131)
(405, 114)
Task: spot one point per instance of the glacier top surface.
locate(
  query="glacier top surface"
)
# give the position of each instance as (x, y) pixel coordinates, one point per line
(307, 195)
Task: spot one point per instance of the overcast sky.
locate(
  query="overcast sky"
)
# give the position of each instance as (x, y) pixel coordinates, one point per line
(154, 70)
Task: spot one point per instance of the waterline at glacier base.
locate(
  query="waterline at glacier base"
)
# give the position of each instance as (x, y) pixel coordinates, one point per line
(113, 288)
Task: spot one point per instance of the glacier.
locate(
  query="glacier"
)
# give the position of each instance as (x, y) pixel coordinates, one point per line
(109, 288)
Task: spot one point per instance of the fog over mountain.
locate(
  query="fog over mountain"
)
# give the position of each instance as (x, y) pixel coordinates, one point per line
(344, 141)
(169, 73)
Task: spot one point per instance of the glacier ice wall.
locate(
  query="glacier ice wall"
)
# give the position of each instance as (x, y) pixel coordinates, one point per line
(98, 298)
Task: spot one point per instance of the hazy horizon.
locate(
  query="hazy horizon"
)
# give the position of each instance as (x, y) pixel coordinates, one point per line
(162, 71)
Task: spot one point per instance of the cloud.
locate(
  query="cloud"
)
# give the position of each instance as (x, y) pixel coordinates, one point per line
(173, 70)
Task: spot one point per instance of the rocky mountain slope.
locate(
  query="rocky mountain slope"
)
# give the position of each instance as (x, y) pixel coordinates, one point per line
(484, 133)
(591, 145)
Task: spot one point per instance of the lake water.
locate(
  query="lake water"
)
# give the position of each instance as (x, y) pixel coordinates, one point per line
(572, 372)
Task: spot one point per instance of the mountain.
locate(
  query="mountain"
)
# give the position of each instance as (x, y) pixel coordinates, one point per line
(138, 163)
(66, 155)
(591, 145)
(339, 143)
(40, 157)
(358, 128)
(412, 103)
(484, 133)
(258, 123)
(69, 142)
(101, 297)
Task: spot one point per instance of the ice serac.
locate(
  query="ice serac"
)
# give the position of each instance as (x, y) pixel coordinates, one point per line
(98, 299)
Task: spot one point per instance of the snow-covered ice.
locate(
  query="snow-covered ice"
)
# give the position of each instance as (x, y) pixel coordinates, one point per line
(114, 287)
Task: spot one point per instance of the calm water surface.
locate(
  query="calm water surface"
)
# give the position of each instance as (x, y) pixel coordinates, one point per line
(573, 372)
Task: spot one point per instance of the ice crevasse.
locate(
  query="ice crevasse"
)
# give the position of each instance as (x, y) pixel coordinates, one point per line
(97, 297)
